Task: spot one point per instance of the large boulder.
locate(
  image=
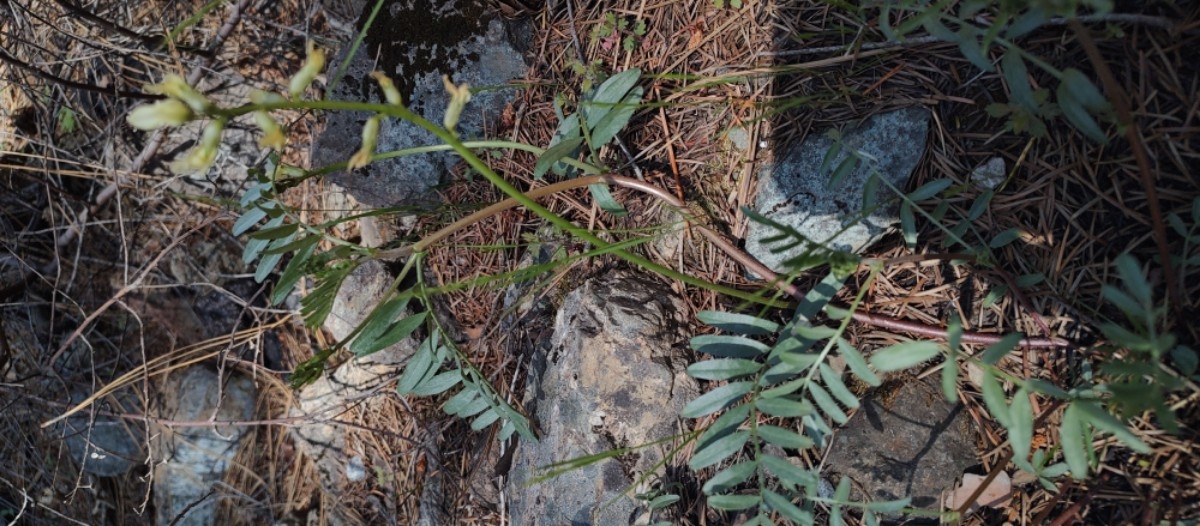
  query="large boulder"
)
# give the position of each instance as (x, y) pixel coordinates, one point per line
(610, 380)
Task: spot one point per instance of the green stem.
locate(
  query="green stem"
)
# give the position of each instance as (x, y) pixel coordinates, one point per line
(513, 192)
(475, 145)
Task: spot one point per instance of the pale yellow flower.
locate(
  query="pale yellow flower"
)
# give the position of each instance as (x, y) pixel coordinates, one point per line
(175, 87)
(389, 88)
(460, 95)
(258, 96)
(273, 136)
(201, 157)
(370, 136)
(313, 64)
(168, 112)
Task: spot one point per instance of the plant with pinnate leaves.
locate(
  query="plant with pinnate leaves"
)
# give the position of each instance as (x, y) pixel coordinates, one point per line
(769, 374)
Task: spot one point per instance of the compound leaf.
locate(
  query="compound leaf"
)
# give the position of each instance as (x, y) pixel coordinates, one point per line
(785, 507)
(438, 384)
(1020, 431)
(729, 477)
(930, 189)
(553, 154)
(783, 407)
(784, 438)
(826, 403)
(1101, 420)
(733, 502)
(788, 472)
(1075, 437)
(837, 388)
(856, 363)
(994, 399)
(998, 350)
(723, 369)
(728, 346)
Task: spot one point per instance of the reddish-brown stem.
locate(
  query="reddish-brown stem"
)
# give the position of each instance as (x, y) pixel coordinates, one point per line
(1133, 134)
(876, 320)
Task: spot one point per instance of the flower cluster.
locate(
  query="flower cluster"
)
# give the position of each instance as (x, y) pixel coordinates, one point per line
(459, 96)
(184, 103)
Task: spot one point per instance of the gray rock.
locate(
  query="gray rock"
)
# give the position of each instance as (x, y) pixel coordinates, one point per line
(990, 174)
(416, 42)
(605, 384)
(792, 191)
(321, 402)
(194, 459)
(914, 444)
(359, 293)
(105, 445)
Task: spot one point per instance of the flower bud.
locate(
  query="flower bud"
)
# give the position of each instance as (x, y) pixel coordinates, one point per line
(313, 65)
(273, 136)
(459, 97)
(203, 155)
(370, 136)
(168, 112)
(258, 96)
(175, 87)
(389, 88)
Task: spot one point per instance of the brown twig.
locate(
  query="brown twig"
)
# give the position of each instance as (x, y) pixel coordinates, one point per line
(1074, 512)
(151, 43)
(137, 282)
(4, 56)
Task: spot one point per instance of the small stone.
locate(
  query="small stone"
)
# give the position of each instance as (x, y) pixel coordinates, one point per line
(194, 459)
(106, 446)
(739, 138)
(355, 469)
(989, 175)
(996, 495)
(793, 190)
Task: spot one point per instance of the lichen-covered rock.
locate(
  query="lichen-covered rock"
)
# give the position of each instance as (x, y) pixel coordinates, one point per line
(795, 192)
(609, 381)
(415, 42)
